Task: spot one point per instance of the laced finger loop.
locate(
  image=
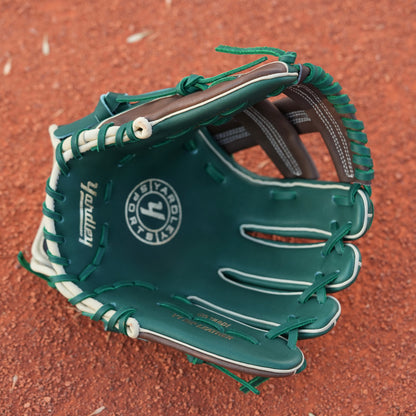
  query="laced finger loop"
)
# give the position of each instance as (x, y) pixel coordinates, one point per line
(291, 327)
(318, 287)
(336, 239)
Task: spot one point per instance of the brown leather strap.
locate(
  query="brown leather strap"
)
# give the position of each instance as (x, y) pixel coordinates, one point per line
(276, 128)
(265, 125)
(160, 108)
(315, 113)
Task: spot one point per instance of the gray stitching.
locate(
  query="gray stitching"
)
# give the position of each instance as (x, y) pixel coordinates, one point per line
(276, 140)
(298, 117)
(330, 123)
(232, 132)
(230, 136)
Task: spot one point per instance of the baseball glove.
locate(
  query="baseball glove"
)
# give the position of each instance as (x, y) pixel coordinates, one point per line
(151, 226)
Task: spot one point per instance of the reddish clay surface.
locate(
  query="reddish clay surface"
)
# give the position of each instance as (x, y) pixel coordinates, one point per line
(53, 361)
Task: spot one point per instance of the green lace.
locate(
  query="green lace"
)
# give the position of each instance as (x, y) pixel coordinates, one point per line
(189, 84)
(246, 386)
(349, 200)
(337, 236)
(51, 280)
(194, 83)
(254, 382)
(318, 287)
(97, 291)
(117, 322)
(291, 327)
(284, 56)
(24, 263)
(125, 129)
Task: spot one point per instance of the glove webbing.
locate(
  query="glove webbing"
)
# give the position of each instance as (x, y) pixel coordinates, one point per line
(315, 104)
(263, 124)
(277, 127)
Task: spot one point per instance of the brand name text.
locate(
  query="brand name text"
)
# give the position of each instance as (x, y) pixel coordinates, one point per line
(87, 224)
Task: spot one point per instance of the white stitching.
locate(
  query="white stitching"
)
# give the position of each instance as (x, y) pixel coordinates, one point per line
(330, 123)
(230, 136)
(275, 140)
(231, 132)
(297, 117)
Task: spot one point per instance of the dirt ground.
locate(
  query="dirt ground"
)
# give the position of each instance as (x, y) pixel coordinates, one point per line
(57, 57)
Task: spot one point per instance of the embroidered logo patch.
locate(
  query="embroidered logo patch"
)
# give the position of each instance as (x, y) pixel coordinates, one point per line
(153, 212)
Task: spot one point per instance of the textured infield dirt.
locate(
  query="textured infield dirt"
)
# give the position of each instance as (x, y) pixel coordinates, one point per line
(57, 57)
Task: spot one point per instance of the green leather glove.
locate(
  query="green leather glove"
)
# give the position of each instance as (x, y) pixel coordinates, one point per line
(150, 225)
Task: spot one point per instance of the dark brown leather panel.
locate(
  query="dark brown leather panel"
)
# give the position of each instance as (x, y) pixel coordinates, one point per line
(160, 108)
